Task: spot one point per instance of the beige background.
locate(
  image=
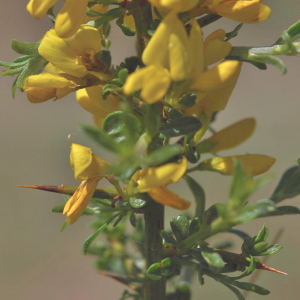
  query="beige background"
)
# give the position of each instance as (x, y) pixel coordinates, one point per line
(37, 261)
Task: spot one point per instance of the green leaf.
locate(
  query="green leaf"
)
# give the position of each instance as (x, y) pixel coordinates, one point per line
(153, 118)
(161, 155)
(12, 72)
(139, 200)
(19, 62)
(132, 219)
(288, 186)
(51, 15)
(175, 113)
(281, 211)
(200, 276)
(293, 31)
(238, 185)
(123, 74)
(90, 239)
(100, 137)
(167, 238)
(230, 35)
(189, 151)
(63, 226)
(271, 60)
(213, 258)
(205, 146)
(194, 226)
(250, 287)
(124, 128)
(126, 166)
(270, 250)
(35, 66)
(25, 48)
(239, 233)
(125, 29)
(154, 272)
(259, 65)
(14, 87)
(234, 290)
(253, 211)
(262, 235)
(180, 227)
(105, 56)
(108, 17)
(199, 195)
(258, 248)
(180, 126)
(187, 101)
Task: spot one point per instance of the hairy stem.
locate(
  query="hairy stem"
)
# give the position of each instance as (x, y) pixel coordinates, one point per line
(154, 223)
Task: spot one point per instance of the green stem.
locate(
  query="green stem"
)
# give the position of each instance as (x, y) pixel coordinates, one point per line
(154, 223)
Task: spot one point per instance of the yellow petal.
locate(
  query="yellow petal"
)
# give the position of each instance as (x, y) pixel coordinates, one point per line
(154, 82)
(110, 104)
(70, 17)
(85, 101)
(215, 48)
(233, 135)
(85, 164)
(196, 48)
(80, 200)
(254, 164)
(157, 51)
(39, 8)
(217, 77)
(164, 196)
(211, 3)
(251, 11)
(217, 100)
(40, 95)
(157, 176)
(63, 53)
(179, 52)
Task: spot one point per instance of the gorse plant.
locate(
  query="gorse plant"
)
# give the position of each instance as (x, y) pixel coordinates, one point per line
(152, 111)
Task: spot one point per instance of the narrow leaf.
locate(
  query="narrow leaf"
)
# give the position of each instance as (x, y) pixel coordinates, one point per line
(90, 239)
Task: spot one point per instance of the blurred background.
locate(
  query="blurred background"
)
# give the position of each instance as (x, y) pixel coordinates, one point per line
(39, 262)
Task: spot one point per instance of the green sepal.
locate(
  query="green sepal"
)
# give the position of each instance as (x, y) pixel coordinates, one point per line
(51, 15)
(259, 65)
(93, 13)
(175, 113)
(124, 128)
(288, 186)
(90, 239)
(199, 196)
(180, 227)
(258, 248)
(167, 238)
(262, 235)
(25, 48)
(125, 29)
(100, 137)
(187, 101)
(271, 60)
(106, 27)
(190, 153)
(194, 226)
(180, 126)
(139, 200)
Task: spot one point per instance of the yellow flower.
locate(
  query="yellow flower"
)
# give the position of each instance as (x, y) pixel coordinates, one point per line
(154, 180)
(91, 100)
(154, 82)
(74, 55)
(69, 18)
(89, 169)
(46, 86)
(254, 164)
(233, 135)
(250, 11)
(175, 5)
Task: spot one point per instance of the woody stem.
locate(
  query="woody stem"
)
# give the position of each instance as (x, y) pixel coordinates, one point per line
(154, 223)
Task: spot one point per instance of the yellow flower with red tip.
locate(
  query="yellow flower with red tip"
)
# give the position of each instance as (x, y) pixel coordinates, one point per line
(89, 169)
(154, 180)
(68, 19)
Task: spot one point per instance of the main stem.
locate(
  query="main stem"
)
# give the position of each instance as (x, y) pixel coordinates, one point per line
(154, 223)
